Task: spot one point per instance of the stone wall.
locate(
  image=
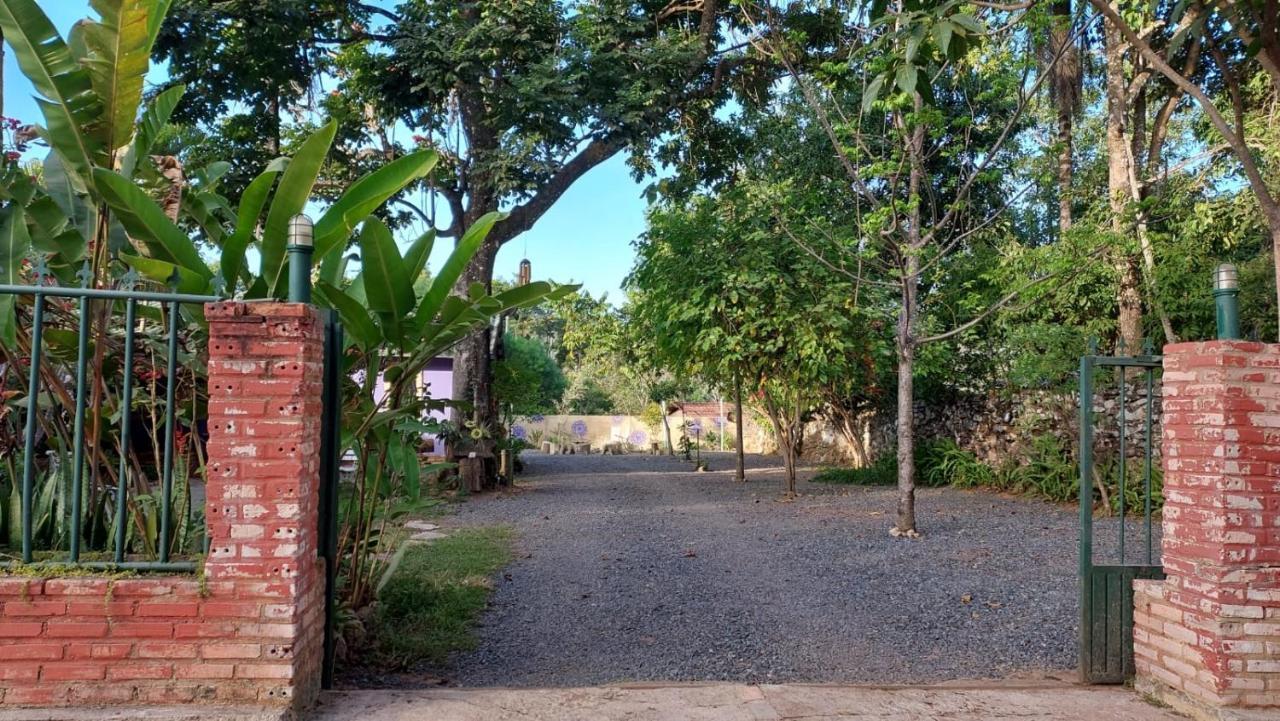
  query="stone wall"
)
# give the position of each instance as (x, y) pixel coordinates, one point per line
(996, 427)
(630, 431)
(250, 628)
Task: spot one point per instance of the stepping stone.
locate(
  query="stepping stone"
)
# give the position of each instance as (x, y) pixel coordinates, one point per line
(428, 536)
(421, 526)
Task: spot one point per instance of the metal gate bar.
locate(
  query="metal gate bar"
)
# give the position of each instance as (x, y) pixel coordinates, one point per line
(169, 304)
(1106, 590)
(330, 443)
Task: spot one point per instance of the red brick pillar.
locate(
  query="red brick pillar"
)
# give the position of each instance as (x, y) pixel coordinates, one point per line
(265, 375)
(1207, 639)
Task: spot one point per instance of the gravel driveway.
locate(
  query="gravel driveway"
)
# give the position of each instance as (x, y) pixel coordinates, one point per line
(632, 568)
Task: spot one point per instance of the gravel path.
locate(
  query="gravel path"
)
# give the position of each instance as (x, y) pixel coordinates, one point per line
(632, 568)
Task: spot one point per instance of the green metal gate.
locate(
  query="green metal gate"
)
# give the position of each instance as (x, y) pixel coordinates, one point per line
(151, 319)
(1106, 589)
(330, 445)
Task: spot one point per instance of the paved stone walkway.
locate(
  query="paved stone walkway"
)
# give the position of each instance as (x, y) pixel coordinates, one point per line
(735, 702)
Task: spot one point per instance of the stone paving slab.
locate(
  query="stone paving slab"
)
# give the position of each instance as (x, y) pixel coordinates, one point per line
(739, 702)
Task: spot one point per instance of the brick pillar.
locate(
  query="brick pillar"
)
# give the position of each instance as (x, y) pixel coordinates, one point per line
(1207, 639)
(265, 382)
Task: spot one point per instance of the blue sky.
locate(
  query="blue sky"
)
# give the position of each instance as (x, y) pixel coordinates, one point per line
(584, 238)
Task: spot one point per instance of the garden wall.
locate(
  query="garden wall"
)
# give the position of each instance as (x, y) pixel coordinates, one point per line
(250, 628)
(629, 430)
(997, 428)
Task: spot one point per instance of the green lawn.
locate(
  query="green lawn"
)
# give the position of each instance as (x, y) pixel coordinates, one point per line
(428, 606)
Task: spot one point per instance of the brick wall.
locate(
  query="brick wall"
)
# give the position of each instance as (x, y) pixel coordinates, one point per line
(1208, 637)
(251, 629)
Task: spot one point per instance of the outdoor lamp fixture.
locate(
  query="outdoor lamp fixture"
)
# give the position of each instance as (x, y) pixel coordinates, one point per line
(526, 272)
(1226, 296)
(300, 247)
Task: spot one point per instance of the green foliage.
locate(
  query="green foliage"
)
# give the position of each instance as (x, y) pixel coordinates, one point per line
(883, 471)
(589, 398)
(949, 464)
(1046, 469)
(428, 606)
(528, 379)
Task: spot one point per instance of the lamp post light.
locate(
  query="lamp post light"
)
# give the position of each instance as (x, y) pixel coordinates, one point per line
(300, 247)
(1226, 296)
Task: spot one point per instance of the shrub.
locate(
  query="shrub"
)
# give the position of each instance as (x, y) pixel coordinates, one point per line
(946, 463)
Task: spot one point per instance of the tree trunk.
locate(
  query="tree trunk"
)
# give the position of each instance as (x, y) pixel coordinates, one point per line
(782, 429)
(741, 473)
(906, 337)
(1065, 89)
(1128, 297)
(906, 420)
(472, 363)
(666, 426)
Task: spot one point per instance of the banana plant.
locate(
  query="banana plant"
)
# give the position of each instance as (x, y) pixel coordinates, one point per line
(395, 325)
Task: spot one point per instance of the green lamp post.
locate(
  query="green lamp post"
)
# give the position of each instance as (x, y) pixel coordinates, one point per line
(1226, 294)
(300, 247)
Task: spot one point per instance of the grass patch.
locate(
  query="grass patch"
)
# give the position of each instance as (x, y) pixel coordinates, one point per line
(427, 608)
(876, 474)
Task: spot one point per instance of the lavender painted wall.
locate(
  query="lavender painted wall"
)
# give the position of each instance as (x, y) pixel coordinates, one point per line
(436, 382)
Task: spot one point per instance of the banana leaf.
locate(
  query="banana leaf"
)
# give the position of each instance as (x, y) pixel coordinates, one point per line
(291, 199)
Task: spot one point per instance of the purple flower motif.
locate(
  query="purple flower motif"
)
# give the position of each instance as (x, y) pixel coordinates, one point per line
(518, 431)
(617, 420)
(695, 426)
(537, 418)
(720, 422)
(638, 438)
(579, 429)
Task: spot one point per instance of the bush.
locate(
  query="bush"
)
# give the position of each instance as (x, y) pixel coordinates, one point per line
(946, 463)
(1047, 470)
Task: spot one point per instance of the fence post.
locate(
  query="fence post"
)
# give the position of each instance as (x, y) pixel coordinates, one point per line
(1206, 638)
(265, 404)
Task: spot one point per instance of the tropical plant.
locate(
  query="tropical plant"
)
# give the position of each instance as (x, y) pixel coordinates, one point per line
(100, 191)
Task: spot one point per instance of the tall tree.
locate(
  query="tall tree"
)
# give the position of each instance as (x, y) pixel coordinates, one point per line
(252, 68)
(1063, 57)
(1243, 40)
(922, 174)
(525, 97)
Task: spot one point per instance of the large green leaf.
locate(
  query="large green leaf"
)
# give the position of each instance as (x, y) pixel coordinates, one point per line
(387, 282)
(75, 204)
(532, 294)
(154, 119)
(68, 101)
(462, 253)
(388, 287)
(367, 195)
(252, 201)
(119, 46)
(189, 281)
(415, 258)
(145, 220)
(159, 9)
(15, 244)
(355, 319)
(290, 199)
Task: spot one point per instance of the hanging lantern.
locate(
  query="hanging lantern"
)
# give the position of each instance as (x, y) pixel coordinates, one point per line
(526, 272)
